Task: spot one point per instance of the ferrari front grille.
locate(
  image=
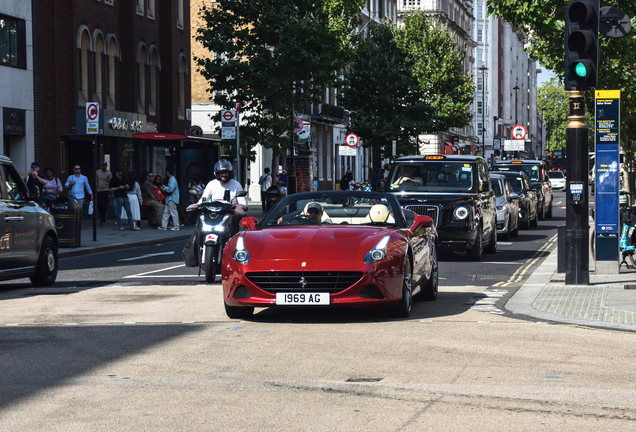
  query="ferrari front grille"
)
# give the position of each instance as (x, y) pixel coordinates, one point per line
(324, 281)
(431, 211)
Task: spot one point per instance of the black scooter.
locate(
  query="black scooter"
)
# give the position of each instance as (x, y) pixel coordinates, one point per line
(214, 228)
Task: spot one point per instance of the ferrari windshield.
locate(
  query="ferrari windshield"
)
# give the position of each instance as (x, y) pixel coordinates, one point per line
(335, 208)
(433, 176)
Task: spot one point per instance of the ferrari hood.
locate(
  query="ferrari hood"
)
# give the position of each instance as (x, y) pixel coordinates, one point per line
(322, 242)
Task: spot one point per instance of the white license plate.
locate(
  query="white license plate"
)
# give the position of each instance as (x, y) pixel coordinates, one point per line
(305, 298)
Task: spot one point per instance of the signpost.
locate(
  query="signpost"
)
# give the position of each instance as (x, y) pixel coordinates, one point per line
(607, 179)
(514, 145)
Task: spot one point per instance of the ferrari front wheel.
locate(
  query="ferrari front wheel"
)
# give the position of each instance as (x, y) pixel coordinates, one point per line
(238, 312)
(403, 309)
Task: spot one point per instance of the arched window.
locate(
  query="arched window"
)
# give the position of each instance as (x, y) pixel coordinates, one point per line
(85, 45)
(143, 60)
(99, 78)
(182, 71)
(154, 67)
(112, 56)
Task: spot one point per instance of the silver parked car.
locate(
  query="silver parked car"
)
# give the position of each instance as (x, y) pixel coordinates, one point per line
(28, 237)
(507, 206)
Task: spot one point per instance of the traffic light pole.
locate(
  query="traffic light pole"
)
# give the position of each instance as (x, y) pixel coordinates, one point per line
(577, 258)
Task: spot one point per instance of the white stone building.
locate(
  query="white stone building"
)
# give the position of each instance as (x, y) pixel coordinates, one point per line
(16, 83)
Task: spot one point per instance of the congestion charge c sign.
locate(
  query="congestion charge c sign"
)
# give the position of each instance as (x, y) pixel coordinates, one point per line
(351, 140)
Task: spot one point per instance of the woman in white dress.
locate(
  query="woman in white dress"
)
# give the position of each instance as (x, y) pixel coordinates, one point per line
(134, 196)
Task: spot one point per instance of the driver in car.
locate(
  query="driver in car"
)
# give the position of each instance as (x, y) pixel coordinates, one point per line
(316, 212)
(409, 175)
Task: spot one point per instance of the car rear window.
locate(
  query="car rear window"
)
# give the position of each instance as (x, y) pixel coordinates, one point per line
(556, 174)
(532, 171)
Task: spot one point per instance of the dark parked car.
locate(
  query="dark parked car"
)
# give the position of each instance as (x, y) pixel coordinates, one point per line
(537, 172)
(528, 201)
(453, 190)
(507, 206)
(28, 238)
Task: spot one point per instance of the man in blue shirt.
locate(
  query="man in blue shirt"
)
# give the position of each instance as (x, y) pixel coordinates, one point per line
(76, 183)
(172, 198)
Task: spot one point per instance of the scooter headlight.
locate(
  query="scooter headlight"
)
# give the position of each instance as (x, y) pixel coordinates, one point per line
(378, 252)
(241, 255)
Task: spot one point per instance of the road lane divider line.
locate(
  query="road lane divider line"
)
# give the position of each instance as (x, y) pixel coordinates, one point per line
(154, 271)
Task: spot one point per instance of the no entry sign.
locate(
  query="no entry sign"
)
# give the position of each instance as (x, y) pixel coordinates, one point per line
(352, 140)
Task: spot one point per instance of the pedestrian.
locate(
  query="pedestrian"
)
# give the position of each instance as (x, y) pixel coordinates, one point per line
(52, 188)
(103, 191)
(172, 198)
(265, 181)
(149, 197)
(283, 180)
(119, 187)
(375, 178)
(33, 178)
(77, 182)
(134, 197)
(157, 184)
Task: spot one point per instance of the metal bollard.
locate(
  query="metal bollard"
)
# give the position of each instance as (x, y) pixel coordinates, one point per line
(561, 248)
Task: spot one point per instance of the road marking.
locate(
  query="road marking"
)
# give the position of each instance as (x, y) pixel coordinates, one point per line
(147, 256)
(493, 262)
(518, 275)
(163, 276)
(504, 243)
(154, 271)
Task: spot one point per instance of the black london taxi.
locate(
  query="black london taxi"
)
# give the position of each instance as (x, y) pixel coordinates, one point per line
(537, 172)
(28, 237)
(456, 192)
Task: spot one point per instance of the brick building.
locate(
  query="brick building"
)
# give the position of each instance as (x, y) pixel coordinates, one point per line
(132, 57)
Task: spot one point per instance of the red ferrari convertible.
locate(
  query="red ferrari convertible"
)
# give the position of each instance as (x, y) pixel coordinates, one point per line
(340, 248)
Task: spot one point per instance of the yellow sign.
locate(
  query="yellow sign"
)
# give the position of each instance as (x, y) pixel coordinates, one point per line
(434, 157)
(607, 94)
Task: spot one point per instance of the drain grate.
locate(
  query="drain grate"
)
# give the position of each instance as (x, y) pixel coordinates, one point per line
(629, 287)
(363, 380)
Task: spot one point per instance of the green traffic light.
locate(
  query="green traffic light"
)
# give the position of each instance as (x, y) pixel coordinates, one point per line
(581, 70)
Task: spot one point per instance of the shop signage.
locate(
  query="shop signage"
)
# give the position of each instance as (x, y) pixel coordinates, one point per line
(195, 131)
(13, 121)
(122, 124)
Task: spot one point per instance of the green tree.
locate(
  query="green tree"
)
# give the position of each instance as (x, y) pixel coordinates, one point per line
(382, 94)
(273, 56)
(553, 101)
(542, 21)
(438, 67)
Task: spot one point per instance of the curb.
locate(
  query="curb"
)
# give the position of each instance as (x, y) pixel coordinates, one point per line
(116, 246)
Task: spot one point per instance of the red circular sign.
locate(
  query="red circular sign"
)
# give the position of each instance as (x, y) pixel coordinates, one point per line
(519, 132)
(92, 112)
(237, 106)
(351, 140)
(228, 116)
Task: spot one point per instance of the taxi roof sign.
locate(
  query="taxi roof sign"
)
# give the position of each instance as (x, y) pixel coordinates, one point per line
(436, 157)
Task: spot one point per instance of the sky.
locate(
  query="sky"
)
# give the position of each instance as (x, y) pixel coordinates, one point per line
(544, 76)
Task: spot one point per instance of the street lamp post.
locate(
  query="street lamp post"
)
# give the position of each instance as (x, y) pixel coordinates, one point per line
(516, 89)
(483, 70)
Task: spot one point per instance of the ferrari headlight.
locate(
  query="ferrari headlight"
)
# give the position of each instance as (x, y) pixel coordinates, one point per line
(461, 213)
(241, 255)
(378, 252)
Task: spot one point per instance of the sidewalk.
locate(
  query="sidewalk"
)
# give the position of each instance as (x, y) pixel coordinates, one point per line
(605, 302)
(110, 238)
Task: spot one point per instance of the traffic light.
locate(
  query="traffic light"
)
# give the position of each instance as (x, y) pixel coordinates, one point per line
(581, 44)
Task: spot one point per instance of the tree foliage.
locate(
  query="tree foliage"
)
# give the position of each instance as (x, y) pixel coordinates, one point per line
(542, 21)
(553, 101)
(272, 56)
(405, 81)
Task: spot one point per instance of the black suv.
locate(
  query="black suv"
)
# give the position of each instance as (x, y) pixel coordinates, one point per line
(453, 190)
(28, 237)
(537, 171)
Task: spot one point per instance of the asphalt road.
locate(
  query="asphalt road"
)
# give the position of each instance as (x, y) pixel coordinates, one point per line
(104, 351)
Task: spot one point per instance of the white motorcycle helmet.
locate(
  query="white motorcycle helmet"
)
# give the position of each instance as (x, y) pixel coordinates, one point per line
(223, 165)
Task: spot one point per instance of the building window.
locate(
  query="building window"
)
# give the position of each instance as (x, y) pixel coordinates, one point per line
(143, 60)
(180, 14)
(112, 57)
(479, 83)
(480, 11)
(479, 107)
(151, 9)
(12, 42)
(140, 7)
(85, 44)
(99, 79)
(480, 129)
(108, 2)
(480, 35)
(154, 66)
(182, 74)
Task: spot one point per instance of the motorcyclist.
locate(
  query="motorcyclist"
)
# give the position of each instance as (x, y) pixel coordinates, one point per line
(223, 188)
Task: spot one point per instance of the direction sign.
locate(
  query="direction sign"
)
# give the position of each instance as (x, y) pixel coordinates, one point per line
(352, 140)
(514, 145)
(228, 132)
(519, 132)
(228, 116)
